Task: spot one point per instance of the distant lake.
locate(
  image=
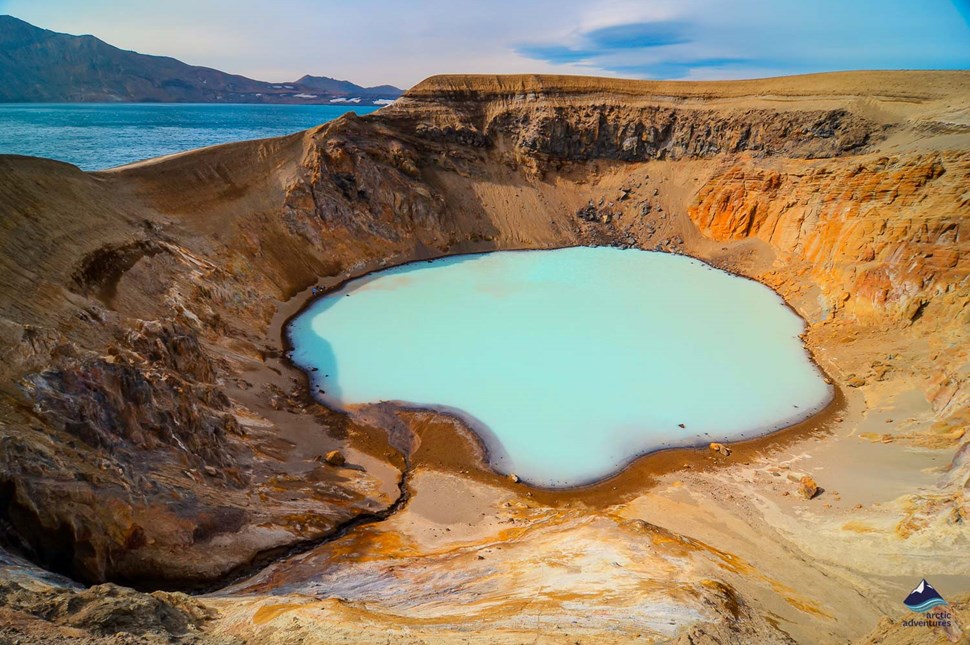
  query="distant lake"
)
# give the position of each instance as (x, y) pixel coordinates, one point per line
(99, 136)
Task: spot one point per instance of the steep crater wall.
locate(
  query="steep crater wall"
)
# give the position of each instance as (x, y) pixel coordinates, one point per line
(146, 416)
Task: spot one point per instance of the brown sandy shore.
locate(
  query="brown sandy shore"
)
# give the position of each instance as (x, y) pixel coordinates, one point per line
(153, 434)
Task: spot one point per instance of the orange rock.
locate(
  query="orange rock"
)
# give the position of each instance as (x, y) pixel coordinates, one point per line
(720, 448)
(807, 487)
(858, 229)
(335, 458)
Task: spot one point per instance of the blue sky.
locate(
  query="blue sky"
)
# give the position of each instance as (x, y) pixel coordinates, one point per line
(401, 42)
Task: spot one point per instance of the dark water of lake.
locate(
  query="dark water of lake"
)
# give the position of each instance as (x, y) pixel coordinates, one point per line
(99, 136)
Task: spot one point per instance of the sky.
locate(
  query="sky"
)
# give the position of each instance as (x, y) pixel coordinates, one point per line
(400, 42)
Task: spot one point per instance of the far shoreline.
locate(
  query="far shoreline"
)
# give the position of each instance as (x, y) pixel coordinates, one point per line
(102, 137)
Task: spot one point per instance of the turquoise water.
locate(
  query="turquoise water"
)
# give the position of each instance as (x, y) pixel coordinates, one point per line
(568, 363)
(100, 136)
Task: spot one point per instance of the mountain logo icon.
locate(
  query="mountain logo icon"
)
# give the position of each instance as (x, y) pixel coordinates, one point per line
(923, 597)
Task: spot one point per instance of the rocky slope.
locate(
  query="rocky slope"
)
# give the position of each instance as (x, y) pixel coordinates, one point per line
(42, 66)
(154, 435)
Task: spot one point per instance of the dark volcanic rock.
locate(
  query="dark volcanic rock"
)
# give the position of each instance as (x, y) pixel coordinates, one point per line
(103, 610)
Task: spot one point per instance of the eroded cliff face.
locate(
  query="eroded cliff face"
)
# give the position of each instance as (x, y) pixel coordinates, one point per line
(880, 237)
(881, 230)
(153, 433)
(132, 451)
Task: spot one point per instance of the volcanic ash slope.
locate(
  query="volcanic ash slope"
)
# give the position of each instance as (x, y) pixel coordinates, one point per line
(154, 436)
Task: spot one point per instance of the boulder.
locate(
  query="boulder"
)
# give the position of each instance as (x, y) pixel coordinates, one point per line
(720, 448)
(855, 381)
(807, 487)
(335, 458)
(588, 213)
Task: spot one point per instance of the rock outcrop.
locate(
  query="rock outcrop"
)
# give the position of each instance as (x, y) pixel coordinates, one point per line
(861, 230)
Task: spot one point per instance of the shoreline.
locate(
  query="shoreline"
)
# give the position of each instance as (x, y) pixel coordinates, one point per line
(634, 475)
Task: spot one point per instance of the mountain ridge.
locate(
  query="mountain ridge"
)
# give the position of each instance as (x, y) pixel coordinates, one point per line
(43, 66)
